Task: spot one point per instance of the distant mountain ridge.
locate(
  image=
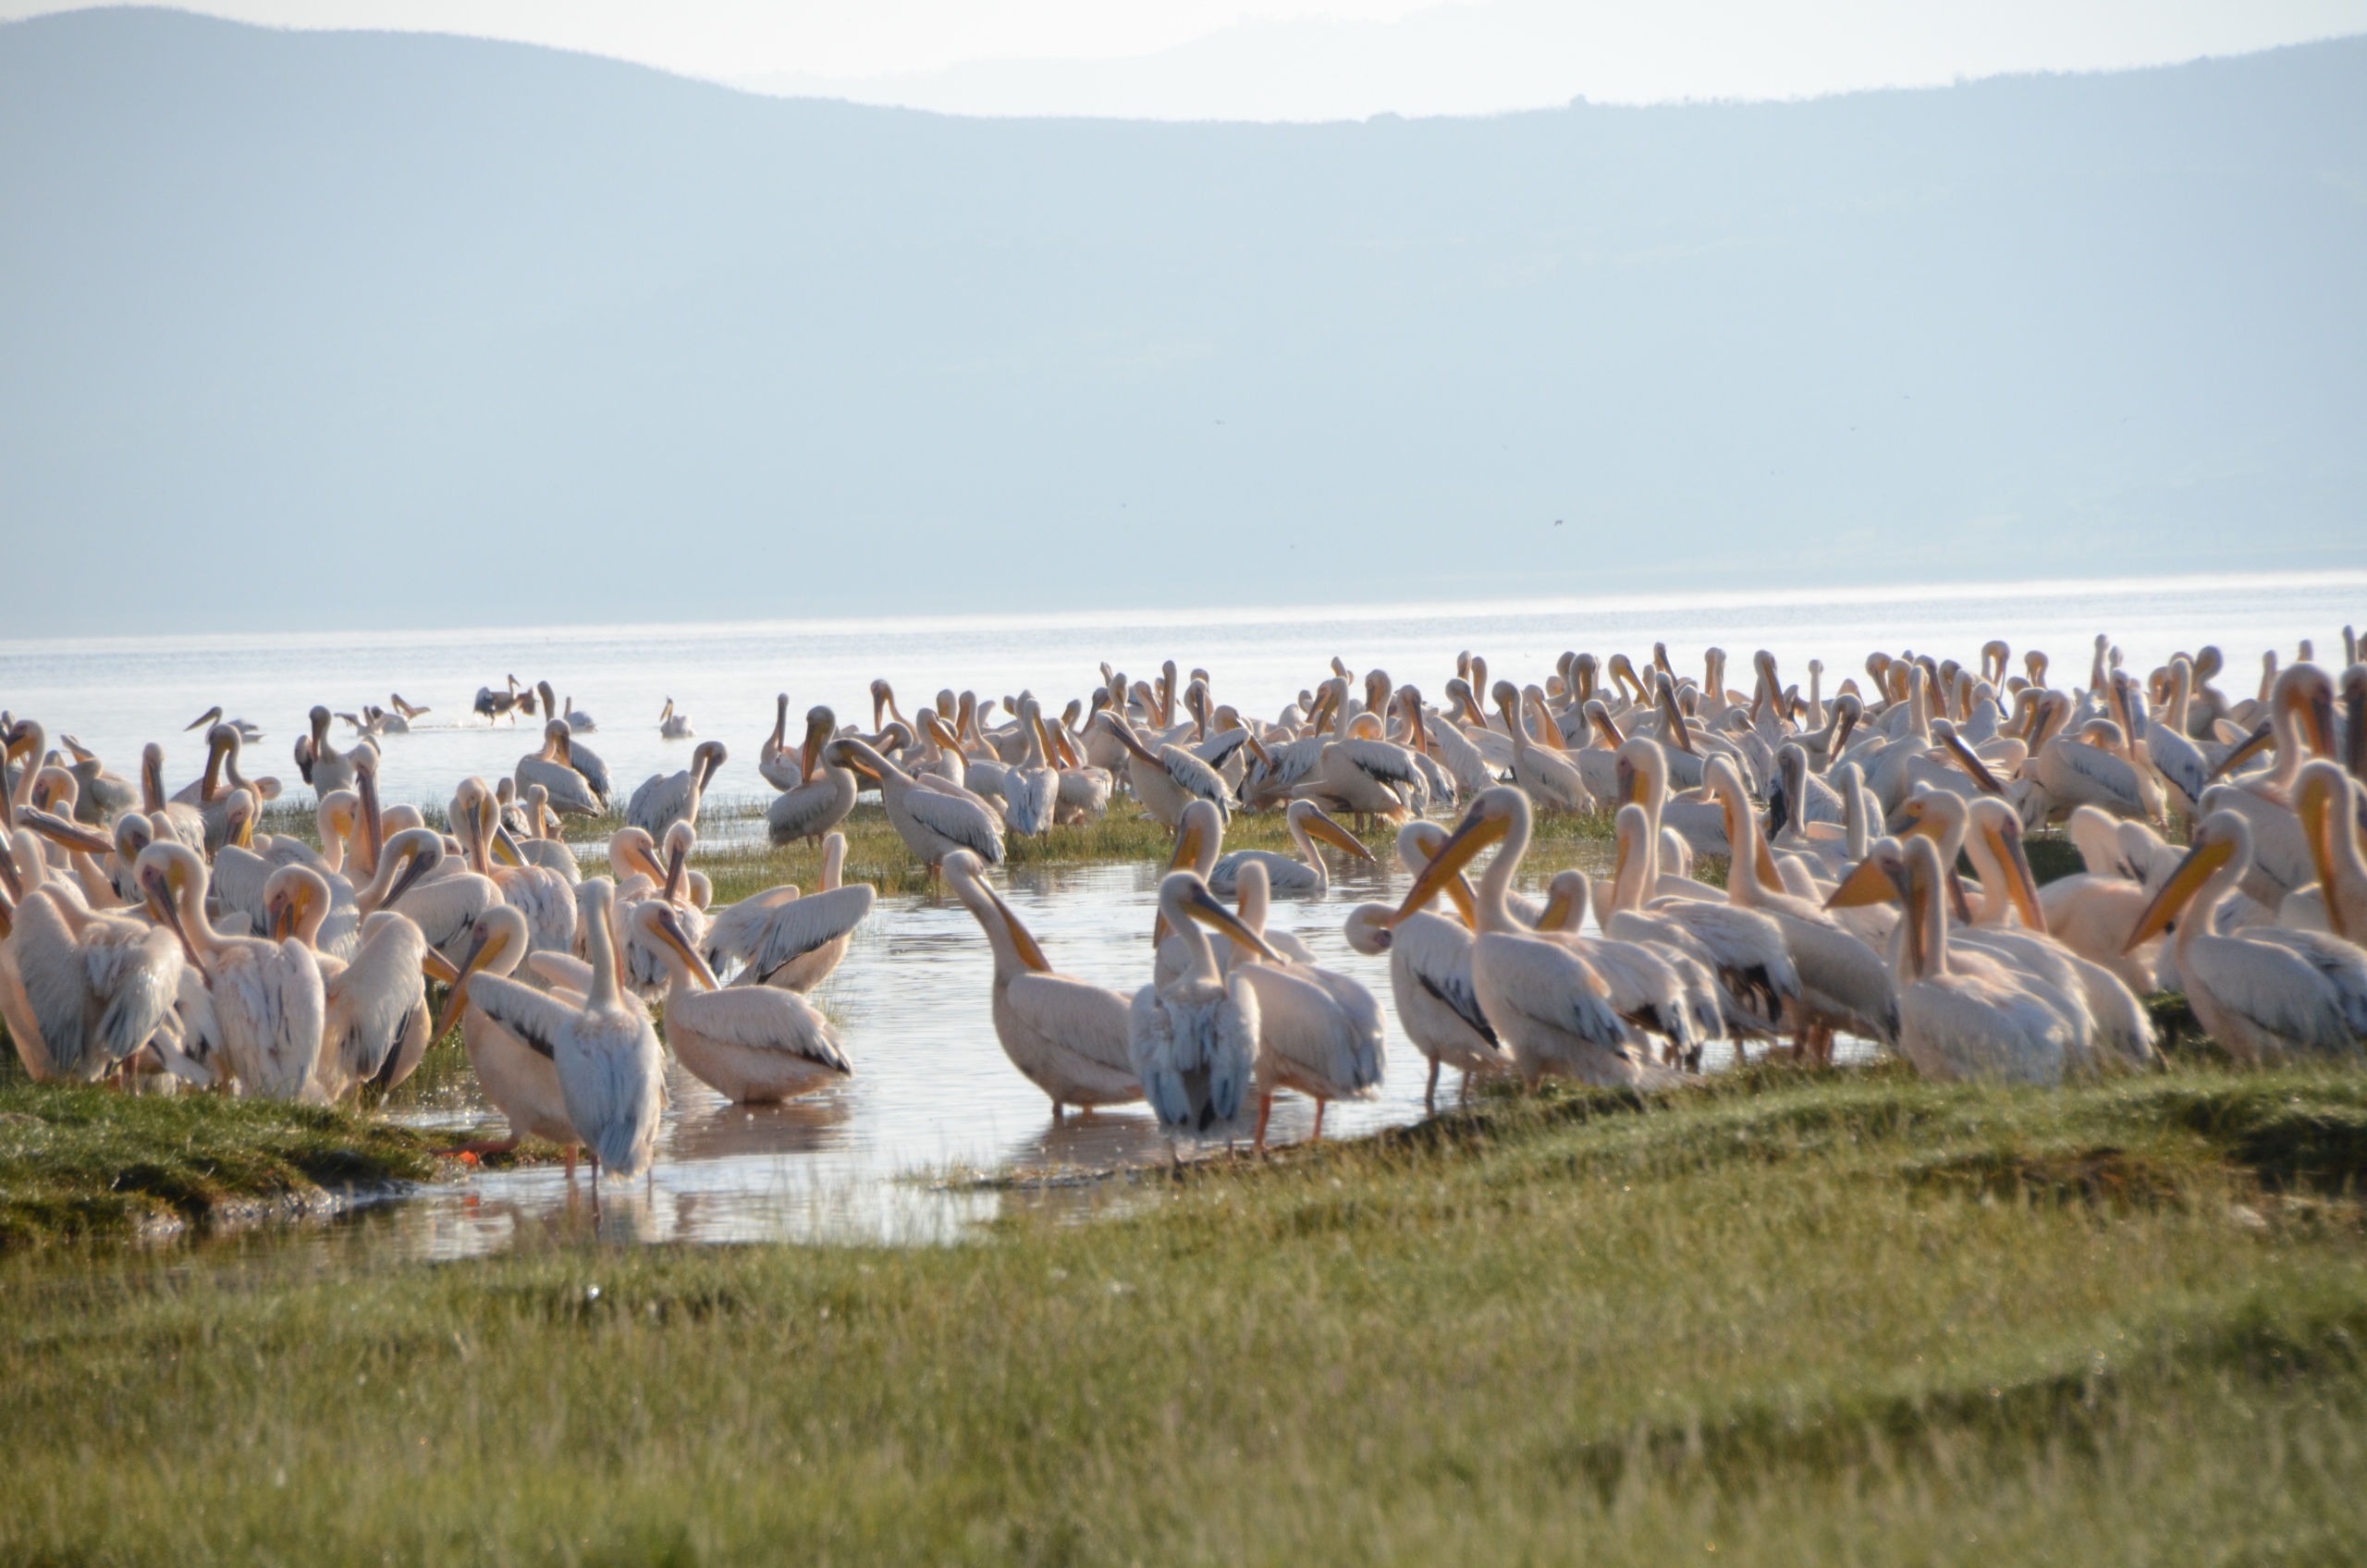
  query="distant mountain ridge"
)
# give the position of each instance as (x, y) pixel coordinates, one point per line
(328, 329)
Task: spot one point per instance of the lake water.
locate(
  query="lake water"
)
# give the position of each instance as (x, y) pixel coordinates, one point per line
(934, 1096)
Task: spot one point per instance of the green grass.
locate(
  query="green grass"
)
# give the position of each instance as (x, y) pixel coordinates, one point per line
(84, 1162)
(1794, 1317)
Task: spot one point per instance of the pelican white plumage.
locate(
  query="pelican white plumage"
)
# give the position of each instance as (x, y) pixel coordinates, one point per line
(664, 800)
(1169, 778)
(750, 1044)
(1319, 1031)
(554, 769)
(375, 1026)
(932, 824)
(2327, 800)
(2300, 724)
(779, 764)
(546, 896)
(822, 801)
(610, 1068)
(519, 1078)
(673, 726)
(94, 988)
(1429, 975)
(780, 938)
(441, 900)
(1550, 778)
(1193, 1042)
(1658, 987)
(1954, 1025)
(1742, 952)
(322, 764)
(1304, 872)
(1546, 1003)
(268, 1001)
(2266, 994)
(1031, 789)
(1068, 1037)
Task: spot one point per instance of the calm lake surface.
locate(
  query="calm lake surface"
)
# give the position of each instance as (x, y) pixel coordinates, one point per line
(934, 1097)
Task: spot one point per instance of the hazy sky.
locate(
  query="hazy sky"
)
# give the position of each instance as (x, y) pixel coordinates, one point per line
(1303, 60)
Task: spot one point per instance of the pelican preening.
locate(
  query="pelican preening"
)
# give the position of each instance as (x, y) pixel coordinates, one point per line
(146, 931)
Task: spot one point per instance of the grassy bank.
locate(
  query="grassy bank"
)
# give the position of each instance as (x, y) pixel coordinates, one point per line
(84, 1162)
(1785, 1317)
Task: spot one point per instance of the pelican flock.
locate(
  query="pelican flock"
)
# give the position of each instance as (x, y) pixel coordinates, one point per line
(1867, 853)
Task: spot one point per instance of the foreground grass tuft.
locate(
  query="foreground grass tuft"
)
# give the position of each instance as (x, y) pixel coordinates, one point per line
(1790, 1316)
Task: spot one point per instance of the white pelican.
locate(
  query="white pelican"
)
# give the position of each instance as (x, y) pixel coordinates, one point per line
(1743, 951)
(1068, 1037)
(101, 796)
(778, 764)
(822, 801)
(413, 880)
(1031, 788)
(1306, 872)
(546, 896)
(1361, 771)
(521, 1080)
(1951, 1024)
(1319, 1031)
(1084, 788)
(1168, 779)
(175, 819)
(1843, 984)
(1199, 836)
(543, 845)
(1550, 778)
(751, 1044)
(2301, 722)
(375, 1027)
(1642, 774)
(780, 938)
(267, 998)
(323, 765)
(672, 726)
(2328, 806)
(553, 768)
(1659, 987)
(932, 825)
(610, 1069)
(2268, 993)
(1429, 975)
(1546, 1003)
(94, 988)
(664, 800)
(1193, 1042)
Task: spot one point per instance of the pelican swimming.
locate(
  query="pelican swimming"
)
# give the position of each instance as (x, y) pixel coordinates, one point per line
(750, 1044)
(322, 764)
(247, 732)
(1068, 1037)
(1547, 1004)
(932, 824)
(2268, 993)
(816, 806)
(1193, 1042)
(610, 1067)
(780, 938)
(664, 800)
(672, 726)
(521, 1080)
(267, 998)
(1306, 872)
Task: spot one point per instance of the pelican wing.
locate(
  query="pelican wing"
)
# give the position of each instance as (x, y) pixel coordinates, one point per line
(2342, 966)
(1217, 749)
(1151, 1048)
(274, 1013)
(760, 1018)
(967, 821)
(1232, 1056)
(2104, 775)
(1311, 1038)
(236, 882)
(536, 1020)
(1437, 954)
(798, 927)
(1087, 1019)
(370, 1002)
(561, 970)
(662, 800)
(1283, 873)
(1196, 778)
(2274, 985)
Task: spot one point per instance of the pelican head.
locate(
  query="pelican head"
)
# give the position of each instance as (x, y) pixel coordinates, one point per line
(211, 716)
(680, 839)
(1999, 828)
(2219, 853)
(171, 878)
(657, 922)
(497, 942)
(1183, 896)
(632, 851)
(966, 875)
(1316, 823)
(295, 901)
(413, 853)
(1489, 820)
(1371, 929)
(706, 760)
(2322, 800)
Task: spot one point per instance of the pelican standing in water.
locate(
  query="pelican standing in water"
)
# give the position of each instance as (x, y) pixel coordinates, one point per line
(780, 938)
(2268, 993)
(1319, 1031)
(268, 1001)
(1305, 873)
(1430, 979)
(610, 1068)
(1193, 1042)
(1546, 1003)
(751, 1044)
(1068, 1037)
(812, 808)
(932, 824)
(664, 800)
(520, 1079)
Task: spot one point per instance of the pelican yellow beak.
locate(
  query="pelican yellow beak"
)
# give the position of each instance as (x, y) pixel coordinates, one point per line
(2178, 891)
(1556, 910)
(1869, 885)
(1465, 843)
(2249, 747)
(1204, 908)
(1320, 825)
(669, 931)
(1030, 954)
(2314, 804)
(481, 951)
(1971, 762)
(436, 967)
(2022, 886)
